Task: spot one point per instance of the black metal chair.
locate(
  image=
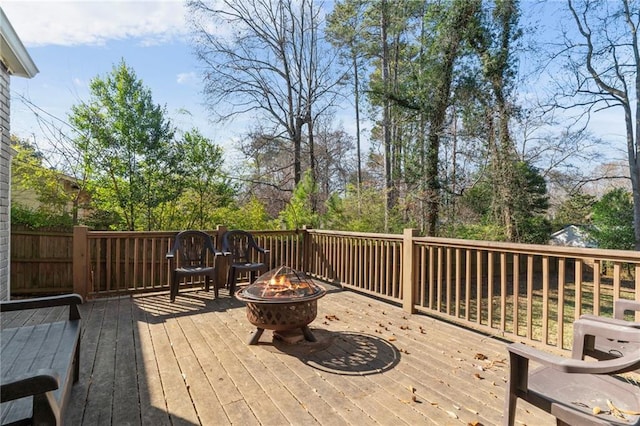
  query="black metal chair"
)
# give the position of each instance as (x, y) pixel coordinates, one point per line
(244, 255)
(193, 248)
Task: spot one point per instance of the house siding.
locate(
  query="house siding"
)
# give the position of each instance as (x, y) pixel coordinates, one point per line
(5, 184)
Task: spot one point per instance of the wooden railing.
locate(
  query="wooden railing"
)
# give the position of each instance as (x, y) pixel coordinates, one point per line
(520, 291)
(527, 292)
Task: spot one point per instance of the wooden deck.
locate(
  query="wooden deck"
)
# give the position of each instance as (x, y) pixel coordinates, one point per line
(147, 361)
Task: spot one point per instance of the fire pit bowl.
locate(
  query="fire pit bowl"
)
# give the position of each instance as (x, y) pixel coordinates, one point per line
(280, 300)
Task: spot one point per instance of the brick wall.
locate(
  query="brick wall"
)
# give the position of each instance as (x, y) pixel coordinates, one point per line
(5, 183)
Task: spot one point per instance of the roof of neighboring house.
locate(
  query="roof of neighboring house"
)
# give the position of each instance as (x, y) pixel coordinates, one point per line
(573, 236)
(12, 52)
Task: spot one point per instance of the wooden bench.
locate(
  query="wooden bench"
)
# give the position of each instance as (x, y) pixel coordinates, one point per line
(39, 363)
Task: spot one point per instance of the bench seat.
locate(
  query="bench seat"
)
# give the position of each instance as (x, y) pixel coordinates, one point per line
(39, 365)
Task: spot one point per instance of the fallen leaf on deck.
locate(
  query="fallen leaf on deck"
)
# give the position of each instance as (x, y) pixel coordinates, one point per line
(618, 412)
(478, 376)
(480, 356)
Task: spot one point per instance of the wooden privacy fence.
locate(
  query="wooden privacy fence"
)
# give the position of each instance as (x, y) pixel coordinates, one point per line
(41, 261)
(529, 292)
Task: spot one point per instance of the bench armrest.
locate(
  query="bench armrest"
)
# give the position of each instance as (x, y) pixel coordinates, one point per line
(28, 384)
(71, 300)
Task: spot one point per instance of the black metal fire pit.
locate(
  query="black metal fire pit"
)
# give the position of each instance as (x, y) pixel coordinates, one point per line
(280, 300)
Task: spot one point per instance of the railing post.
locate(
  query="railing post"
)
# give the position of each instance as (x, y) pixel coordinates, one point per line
(306, 250)
(222, 262)
(81, 260)
(408, 287)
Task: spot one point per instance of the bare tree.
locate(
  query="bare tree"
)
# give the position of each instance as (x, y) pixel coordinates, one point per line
(602, 59)
(265, 57)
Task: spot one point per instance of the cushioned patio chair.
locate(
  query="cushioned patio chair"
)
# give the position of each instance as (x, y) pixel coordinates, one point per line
(245, 256)
(192, 249)
(606, 348)
(575, 391)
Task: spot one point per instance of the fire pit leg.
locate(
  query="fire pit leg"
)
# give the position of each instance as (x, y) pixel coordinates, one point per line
(255, 337)
(308, 335)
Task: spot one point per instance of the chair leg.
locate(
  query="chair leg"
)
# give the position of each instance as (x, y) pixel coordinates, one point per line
(206, 282)
(510, 407)
(214, 282)
(173, 288)
(232, 281)
(229, 276)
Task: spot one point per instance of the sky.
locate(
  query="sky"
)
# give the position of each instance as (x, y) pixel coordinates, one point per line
(72, 42)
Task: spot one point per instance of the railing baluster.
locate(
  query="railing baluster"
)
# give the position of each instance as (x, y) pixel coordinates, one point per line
(530, 296)
(560, 317)
(516, 293)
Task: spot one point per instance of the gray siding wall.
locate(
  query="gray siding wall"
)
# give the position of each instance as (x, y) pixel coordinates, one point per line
(5, 184)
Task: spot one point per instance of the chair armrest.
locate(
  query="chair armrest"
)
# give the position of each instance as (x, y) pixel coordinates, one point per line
(71, 300)
(622, 305)
(623, 364)
(590, 319)
(27, 384)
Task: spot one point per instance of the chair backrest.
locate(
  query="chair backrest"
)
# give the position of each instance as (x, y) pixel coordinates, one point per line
(192, 247)
(239, 244)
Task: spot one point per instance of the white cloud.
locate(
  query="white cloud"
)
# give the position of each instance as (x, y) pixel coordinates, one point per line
(86, 22)
(79, 82)
(187, 77)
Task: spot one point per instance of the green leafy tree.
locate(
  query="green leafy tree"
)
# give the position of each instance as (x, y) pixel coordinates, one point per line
(529, 209)
(343, 212)
(613, 221)
(203, 186)
(29, 174)
(299, 211)
(126, 144)
(38, 218)
(530, 205)
(251, 215)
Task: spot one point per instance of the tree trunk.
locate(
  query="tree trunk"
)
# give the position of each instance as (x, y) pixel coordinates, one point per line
(386, 112)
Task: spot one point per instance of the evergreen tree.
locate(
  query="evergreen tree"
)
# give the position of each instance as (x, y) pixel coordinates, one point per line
(613, 221)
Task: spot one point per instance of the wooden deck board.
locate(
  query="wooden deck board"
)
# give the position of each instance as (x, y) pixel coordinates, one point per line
(146, 361)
